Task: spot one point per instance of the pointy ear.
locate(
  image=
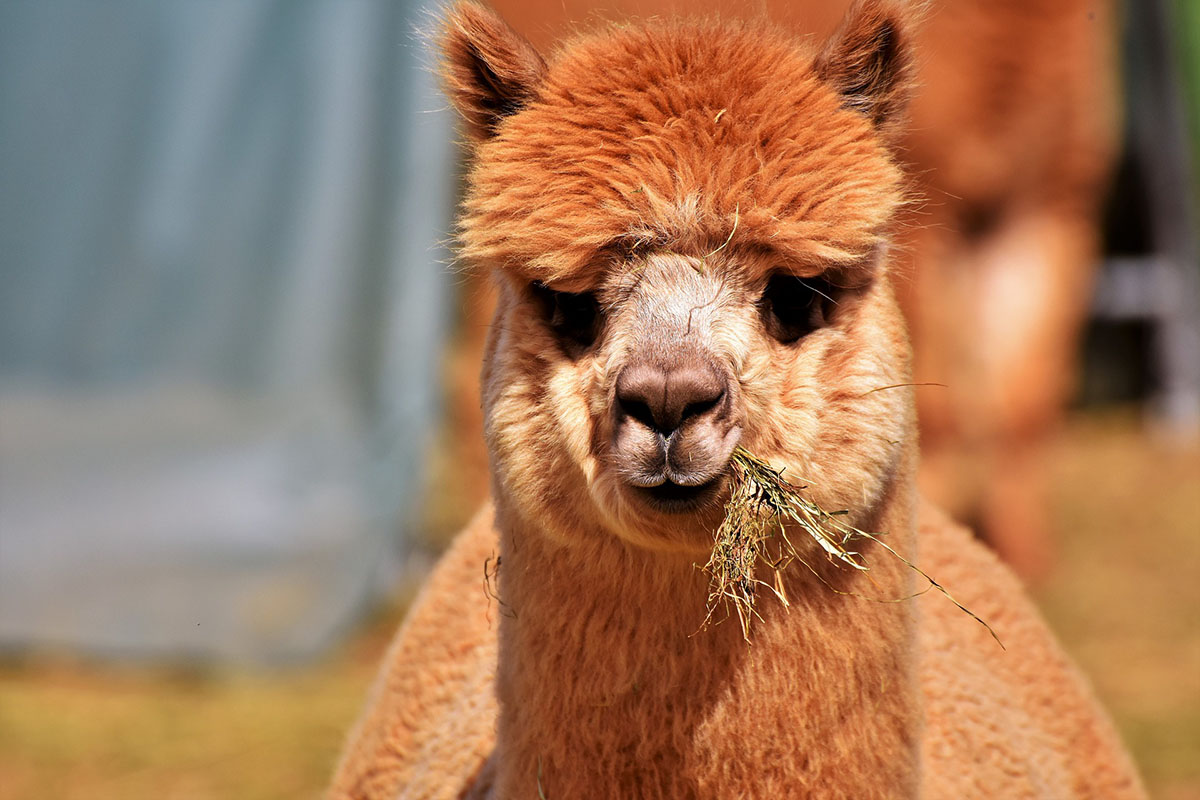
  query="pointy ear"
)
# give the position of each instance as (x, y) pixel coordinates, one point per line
(869, 61)
(489, 69)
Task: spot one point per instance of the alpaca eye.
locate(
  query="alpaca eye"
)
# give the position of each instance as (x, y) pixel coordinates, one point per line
(794, 307)
(574, 317)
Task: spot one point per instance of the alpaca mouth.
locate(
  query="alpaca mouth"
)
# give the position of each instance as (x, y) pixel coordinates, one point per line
(673, 497)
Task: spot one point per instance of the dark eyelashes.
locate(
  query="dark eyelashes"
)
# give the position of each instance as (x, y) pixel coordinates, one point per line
(793, 307)
(790, 307)
(574, 317)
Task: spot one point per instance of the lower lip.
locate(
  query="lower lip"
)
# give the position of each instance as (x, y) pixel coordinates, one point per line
(672, 497)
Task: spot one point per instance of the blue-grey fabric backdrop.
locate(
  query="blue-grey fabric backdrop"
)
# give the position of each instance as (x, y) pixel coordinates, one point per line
(221, 307)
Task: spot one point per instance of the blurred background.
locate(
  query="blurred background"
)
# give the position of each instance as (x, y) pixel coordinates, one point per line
(238, 409)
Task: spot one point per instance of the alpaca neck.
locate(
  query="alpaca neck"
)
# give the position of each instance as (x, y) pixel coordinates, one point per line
(608, 687)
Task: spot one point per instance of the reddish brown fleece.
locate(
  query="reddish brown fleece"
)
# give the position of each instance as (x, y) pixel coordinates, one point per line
(1016, 723)
(681, 160)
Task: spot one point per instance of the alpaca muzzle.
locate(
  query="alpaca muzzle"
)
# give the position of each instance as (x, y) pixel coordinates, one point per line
(676, 422)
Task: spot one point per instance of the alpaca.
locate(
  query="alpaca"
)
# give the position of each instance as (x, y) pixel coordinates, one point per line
(1000, 257)
(689, 224)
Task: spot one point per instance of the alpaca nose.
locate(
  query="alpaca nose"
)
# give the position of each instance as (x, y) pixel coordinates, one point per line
(664, 398)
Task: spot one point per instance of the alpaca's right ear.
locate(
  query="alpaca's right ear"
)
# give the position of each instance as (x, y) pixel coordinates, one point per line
(869, 59)
(489, 69)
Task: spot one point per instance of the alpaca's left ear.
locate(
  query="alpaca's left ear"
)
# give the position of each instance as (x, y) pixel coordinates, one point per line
(869, 61)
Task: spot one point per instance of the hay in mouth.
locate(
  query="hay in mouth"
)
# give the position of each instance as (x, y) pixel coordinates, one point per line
(761, 503)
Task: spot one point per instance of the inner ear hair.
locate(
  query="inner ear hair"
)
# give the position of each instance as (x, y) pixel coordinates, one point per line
(869, 61)
(490, 70)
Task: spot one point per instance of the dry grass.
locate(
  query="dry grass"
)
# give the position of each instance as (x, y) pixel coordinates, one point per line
(1125, 600)
(762, 506)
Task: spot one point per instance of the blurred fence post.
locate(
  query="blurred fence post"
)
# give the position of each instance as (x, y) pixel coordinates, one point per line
(1162, 286)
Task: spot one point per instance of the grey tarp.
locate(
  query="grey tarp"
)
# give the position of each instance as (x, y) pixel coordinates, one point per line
(221, 304)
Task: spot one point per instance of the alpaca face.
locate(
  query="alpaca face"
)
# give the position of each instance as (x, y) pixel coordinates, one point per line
(623, 402)
(690, 236)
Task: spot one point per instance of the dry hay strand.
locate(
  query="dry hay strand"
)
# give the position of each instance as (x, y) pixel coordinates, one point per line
(761, 503)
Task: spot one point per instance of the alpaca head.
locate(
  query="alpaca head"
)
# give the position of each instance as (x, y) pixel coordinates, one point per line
(689, 226)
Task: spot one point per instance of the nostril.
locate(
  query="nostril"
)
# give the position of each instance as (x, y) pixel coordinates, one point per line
(701, 407)
(640, 391)
(639, 410)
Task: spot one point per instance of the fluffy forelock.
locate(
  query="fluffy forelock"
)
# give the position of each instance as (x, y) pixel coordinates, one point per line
(682, 136)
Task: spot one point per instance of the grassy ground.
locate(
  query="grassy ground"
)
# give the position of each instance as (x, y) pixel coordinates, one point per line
(72, 731)
(1125, 599)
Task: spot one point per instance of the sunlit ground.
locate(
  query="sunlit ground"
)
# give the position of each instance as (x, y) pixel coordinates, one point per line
(1125, 600)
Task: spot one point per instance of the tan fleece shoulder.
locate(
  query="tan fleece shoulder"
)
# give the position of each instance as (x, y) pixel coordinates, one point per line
(429, 723)
(1013, 722)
